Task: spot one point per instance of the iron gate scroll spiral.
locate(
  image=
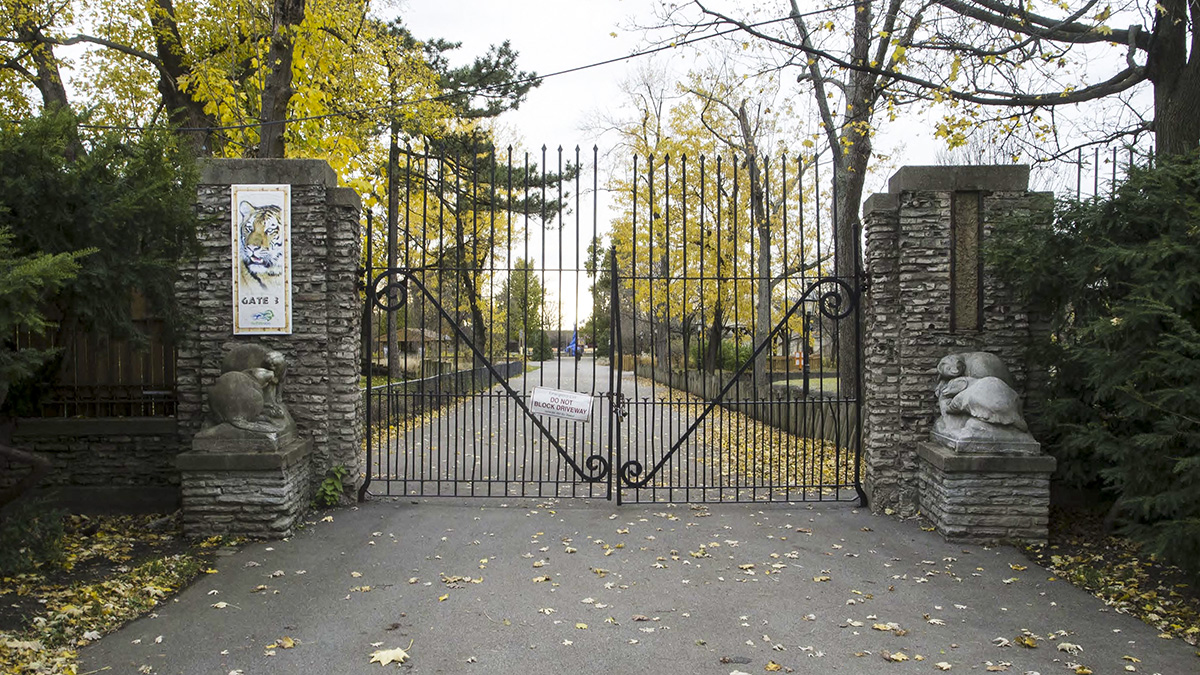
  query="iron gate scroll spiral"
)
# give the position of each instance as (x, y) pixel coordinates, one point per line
(709, 325)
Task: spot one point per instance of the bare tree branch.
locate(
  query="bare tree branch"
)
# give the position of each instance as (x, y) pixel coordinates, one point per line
(1004, 16)
(1122, 81)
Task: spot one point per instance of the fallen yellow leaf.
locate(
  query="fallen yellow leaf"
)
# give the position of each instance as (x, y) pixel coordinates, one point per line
(386, 656)
(772, 666)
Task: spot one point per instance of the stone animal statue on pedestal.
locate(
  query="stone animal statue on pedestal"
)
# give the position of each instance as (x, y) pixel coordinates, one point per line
(246, 402)
(980, 409)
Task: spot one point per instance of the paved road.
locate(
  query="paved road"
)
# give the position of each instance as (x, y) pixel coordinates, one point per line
(486, 445)
(818, 572)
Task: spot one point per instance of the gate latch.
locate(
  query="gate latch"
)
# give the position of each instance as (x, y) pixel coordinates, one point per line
(620, 404)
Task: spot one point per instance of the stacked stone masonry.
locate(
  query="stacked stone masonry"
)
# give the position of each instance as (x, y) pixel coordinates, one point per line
(322, 387)
(131, 453)
(263, 503)
(907, 314)
(973, 505)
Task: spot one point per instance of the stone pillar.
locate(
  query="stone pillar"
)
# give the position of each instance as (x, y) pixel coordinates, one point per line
(322, 384)
(931, 295)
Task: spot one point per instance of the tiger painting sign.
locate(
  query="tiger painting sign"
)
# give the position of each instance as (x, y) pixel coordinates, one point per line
(262, 259)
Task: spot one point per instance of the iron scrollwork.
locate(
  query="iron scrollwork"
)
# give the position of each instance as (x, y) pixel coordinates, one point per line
(836, 299)
(597, 466)
(397, 279)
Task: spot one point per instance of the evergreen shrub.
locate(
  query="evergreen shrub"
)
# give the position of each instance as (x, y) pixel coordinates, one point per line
(1119, 279)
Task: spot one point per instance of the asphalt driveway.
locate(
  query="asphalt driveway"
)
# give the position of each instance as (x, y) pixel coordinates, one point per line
(490, 586)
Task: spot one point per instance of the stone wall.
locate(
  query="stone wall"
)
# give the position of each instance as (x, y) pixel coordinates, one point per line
(261, 495)
(104, 463)
(928, 297)
(322, 384)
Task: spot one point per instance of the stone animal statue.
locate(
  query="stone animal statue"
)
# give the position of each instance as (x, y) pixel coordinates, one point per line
(978, 404)
(248, 395)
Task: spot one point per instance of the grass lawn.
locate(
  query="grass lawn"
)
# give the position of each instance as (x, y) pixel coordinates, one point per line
(825, 385)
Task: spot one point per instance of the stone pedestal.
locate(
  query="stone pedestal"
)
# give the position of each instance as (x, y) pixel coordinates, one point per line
(252, 494)
(985, 497)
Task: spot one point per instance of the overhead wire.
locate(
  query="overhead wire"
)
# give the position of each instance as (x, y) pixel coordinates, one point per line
(475, 90)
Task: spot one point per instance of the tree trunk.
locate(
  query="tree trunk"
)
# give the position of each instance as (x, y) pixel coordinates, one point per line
(184, 111)
(286, 17)
(712, 351)
(850, 170)
(48, 79)
(1176, 80)
(661, 329)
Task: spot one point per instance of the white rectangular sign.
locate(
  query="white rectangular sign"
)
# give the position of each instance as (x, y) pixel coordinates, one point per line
(262, 258)
(569, 405)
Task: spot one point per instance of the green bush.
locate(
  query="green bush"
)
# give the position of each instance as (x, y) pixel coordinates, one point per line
(31, 535)
(539, 347)
(730, 357)
(1120, 281)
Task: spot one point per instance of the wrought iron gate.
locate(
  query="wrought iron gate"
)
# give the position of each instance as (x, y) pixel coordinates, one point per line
(728, 369)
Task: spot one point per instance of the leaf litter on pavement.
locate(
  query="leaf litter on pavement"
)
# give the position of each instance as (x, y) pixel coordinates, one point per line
(114, 569)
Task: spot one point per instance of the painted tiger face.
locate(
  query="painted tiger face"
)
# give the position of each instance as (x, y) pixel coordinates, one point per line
(261, 241)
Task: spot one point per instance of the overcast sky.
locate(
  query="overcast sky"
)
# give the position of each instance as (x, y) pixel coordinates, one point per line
(549, 35)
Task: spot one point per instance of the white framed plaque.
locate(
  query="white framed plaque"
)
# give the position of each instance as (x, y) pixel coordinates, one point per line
(569, 405)
(262, 258)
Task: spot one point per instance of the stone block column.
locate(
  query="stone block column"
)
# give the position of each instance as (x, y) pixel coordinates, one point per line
(931, 295)
(323, 350)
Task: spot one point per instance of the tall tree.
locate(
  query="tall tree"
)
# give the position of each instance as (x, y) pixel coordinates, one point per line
(871, 35)
(598, 327)
(293, 77)
(706, 204)
(286, 17)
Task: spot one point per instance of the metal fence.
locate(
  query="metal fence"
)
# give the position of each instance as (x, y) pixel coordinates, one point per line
(720, 272)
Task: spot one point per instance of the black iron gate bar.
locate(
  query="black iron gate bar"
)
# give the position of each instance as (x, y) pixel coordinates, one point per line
(630, 470)
(596, 464)
(831, 306)
(599, 467)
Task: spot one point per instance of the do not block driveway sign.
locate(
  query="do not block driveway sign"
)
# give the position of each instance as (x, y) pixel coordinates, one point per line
(569, 405)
